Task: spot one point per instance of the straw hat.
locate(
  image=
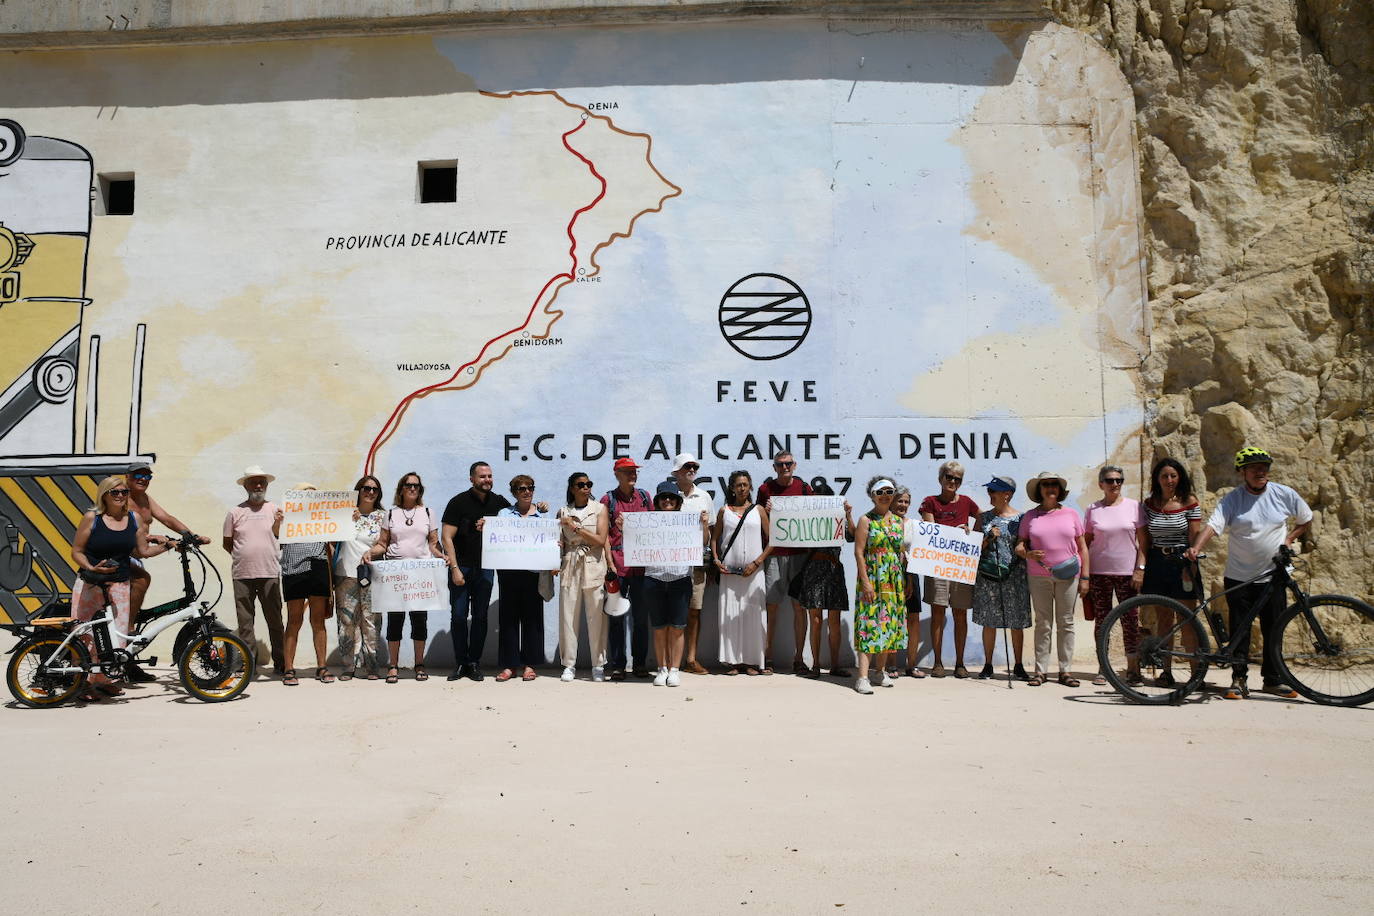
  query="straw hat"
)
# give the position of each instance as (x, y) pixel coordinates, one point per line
(255, 470)
(1033, 485)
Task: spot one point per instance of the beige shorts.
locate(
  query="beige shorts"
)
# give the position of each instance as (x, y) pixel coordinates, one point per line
(698, 588)
(944, 593)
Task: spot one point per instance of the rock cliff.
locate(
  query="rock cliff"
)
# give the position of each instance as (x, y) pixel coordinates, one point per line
(1256, 132)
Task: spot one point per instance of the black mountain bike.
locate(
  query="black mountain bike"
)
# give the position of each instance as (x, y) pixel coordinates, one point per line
(1323, 645)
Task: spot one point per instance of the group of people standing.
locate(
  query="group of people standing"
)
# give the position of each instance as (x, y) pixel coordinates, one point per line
(1036, 566)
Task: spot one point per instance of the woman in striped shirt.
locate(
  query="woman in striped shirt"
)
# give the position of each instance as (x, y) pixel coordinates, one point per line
(1172, 520)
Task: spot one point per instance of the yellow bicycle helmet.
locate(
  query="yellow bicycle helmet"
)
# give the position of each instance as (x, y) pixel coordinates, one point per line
(1251, 455)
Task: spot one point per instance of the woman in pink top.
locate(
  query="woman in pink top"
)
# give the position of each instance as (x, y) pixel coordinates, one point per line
(1051, 536)
(409, 532)
(1110, 527)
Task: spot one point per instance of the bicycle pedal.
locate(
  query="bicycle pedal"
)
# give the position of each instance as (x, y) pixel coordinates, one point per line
(150, 662)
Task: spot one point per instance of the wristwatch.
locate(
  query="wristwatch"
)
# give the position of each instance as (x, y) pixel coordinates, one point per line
(1141, 568)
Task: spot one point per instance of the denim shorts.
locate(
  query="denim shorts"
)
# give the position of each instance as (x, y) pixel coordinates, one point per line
(667, 601)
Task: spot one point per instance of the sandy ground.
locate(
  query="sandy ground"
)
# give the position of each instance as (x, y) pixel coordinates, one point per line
(776, 794)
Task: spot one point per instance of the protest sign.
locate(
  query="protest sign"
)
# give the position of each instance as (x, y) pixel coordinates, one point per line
(509, 542)
(409, 585)
(317, 515)
(806, 521)
(662, 538)
(943, 552)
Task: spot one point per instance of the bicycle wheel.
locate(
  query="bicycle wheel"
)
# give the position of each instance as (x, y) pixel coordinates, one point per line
(1134, 659)
(1326, 650)
(216, 668)
(33, 688)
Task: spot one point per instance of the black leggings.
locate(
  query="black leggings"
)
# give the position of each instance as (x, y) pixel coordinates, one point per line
(419, 625)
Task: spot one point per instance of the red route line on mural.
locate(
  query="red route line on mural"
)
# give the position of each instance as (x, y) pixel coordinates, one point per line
(566, 277)
(391, 425)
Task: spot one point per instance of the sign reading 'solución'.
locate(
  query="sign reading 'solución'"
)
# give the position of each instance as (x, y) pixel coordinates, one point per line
(509, 542)
(317, 515)
(943, 552)
(409, 585)
(662, 538)
(806, 521)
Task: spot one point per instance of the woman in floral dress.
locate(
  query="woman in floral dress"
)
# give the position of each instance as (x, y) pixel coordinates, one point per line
(880, 606)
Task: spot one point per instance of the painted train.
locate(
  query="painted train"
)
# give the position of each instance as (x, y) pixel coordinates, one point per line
(46, 480)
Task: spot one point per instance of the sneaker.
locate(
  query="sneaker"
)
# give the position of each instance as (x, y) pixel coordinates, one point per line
(1280, 689)
(598, 674)
(861, 685)
(661, 679)
(569, 674)
(887, 681)
(1238, 690)
(985, 673)
(674, 678)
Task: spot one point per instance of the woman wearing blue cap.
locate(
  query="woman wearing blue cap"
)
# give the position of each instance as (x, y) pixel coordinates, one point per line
(1001, 599)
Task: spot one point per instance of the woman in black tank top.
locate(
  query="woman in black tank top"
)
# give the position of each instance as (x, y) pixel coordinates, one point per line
(108, 537)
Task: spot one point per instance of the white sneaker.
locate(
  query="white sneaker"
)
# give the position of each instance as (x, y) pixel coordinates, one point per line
(887, 681)
(569, 674)
(598, 674)
(674, 678)
(862, 685)
(661, 678)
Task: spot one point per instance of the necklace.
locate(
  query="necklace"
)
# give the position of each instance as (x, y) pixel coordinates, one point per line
(410, 516)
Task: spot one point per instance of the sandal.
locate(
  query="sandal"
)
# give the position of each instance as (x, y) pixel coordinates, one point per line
(767, 667)
(373, 676)
(393, 675)
(323, 676)
(1100, 681)
(529, 674)
(938, 670)
(420, 673)
(346, 675)
(753, 672)
(1035, 680)
(1068, 680)
(960, 671)
(732, 670)
(505, 675)
(288, 677)
(914, 672)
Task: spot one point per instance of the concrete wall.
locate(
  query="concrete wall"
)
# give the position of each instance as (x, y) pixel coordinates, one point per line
(956, 205)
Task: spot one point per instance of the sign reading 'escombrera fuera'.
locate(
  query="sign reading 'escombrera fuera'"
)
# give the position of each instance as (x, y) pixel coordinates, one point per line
(530, 543)
(806, 521)
(317, 515)
(409, 585)
(943, 552)
(662, 538)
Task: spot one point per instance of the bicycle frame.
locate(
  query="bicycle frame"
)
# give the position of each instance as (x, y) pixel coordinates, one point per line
(1280, 578)
(137, 641)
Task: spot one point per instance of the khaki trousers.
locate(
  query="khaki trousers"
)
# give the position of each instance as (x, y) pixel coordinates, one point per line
(266, 592)
(1053, 600)
(574, 601)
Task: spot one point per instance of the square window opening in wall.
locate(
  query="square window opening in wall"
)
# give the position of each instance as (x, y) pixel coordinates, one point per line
(439, 181)
(117, 193)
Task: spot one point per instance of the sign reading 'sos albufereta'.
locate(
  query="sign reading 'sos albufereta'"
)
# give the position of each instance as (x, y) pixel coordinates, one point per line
(943, 552)
(806, 521)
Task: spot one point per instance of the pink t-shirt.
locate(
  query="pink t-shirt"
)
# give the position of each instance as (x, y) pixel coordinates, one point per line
(1113, 528)
(255, 552)
(408, 542)
(1053, 532)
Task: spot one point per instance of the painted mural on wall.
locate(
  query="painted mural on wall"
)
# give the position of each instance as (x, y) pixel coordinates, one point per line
(876, 248)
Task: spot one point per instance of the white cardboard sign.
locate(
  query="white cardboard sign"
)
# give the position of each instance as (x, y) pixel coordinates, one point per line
(409, 585)
(943, 552)
(662, 538)
(806, 521)
(509, 542)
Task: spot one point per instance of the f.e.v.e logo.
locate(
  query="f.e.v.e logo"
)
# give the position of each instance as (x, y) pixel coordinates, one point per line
(764, 316)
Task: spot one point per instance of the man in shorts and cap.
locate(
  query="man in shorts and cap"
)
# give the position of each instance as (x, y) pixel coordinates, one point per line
(626, 497)
(700, 502)
(250, 536)
(147, 510)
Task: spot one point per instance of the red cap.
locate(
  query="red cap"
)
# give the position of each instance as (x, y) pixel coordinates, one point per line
(622, 463)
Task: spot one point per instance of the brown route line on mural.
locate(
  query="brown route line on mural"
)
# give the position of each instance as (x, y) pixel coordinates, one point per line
(398, 413)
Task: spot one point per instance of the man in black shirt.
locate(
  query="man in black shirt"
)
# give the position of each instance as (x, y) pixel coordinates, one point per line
(463, 519)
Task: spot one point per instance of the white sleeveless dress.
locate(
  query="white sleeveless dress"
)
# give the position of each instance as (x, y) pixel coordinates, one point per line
(743, 627)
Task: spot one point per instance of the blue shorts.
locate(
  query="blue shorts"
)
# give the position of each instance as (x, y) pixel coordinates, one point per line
(667, 601)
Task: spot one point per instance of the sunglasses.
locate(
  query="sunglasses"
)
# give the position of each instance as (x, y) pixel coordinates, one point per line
(784, 464)
(1114, 481)
(885, 491)
(117, 492)
(142, 475)
(369, 489)
(411, 486)
(951, 477)
(583, 485)
(524, 489)
(691, 467)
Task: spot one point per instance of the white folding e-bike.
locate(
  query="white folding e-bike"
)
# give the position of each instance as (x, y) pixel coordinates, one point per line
(52, 661)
